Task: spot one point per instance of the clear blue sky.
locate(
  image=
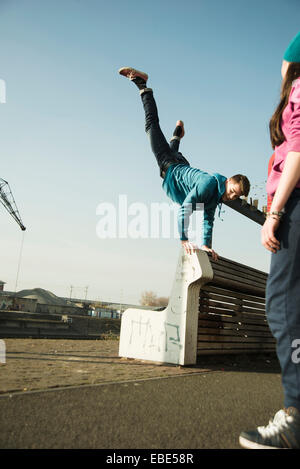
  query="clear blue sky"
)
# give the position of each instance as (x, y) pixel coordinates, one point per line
(72, 129)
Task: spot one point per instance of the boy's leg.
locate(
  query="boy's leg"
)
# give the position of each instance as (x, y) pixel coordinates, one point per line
(158, 142)
(174, 144)
(177, 136)
(164, 155)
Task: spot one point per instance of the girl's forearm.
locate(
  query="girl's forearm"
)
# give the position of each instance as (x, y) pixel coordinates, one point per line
(288, 180)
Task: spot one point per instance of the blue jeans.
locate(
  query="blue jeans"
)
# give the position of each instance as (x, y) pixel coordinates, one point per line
(283, 300)
(165, 153)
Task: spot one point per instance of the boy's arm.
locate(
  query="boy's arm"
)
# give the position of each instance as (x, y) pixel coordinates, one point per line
(209, 216)
(184, 213)
(198, 195)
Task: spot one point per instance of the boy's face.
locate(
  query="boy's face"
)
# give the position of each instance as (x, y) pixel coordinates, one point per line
(232, 190)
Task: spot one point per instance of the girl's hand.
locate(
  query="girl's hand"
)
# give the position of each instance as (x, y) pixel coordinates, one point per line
(268, 239)
(213, 253)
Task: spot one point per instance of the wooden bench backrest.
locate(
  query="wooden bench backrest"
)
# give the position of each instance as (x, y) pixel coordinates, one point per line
(232, 315)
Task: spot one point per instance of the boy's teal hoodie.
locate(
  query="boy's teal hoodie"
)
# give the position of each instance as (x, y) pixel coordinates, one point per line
(188, 186)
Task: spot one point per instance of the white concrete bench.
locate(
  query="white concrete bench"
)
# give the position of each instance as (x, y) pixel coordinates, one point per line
(215, 307)
(170, 335)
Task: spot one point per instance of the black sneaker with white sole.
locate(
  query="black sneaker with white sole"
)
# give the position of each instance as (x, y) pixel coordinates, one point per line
(282, 432)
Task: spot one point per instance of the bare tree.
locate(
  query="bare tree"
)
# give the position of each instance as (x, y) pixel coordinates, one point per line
(162, 301)
(149, 298)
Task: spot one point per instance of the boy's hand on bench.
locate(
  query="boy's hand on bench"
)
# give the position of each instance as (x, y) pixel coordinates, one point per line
(213, 253)
(189, 247)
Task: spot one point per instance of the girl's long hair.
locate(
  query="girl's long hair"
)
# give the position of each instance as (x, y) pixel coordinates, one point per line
(276, 135)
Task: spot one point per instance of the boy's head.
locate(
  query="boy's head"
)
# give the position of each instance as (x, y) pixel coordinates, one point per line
(235, 187)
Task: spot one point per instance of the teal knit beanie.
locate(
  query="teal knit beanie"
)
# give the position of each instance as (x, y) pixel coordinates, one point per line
(292, 54)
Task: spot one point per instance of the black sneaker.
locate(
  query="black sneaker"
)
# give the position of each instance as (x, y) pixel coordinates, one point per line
(179, 131)
(281, 432)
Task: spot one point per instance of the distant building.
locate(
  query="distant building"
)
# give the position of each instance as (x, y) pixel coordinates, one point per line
(2, 285)
(8, 302)
(104, 312)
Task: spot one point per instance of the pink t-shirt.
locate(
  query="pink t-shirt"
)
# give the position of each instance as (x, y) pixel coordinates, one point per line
(290, 125)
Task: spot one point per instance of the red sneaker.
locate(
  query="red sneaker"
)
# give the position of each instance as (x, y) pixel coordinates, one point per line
(132, 73)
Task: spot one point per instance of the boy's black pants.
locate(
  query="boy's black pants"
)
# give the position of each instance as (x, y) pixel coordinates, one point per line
(165, 153)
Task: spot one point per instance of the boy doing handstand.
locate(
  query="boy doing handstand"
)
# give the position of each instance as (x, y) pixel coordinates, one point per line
(185, 185)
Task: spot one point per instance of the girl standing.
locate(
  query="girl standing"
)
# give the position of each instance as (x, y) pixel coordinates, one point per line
(281, 235)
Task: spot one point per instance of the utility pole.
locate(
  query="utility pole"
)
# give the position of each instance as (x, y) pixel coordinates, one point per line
(19, 263)
(121, 300)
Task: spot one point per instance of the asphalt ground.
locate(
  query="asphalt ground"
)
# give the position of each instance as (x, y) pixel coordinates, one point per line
(146, 406)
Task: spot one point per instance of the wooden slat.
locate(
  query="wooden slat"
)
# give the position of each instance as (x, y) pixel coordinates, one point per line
(218, 271)
(243, 305)
(252, 310)
(209, 287)
(237, 266)
(252, 304)
(236, 351)
(216, 311)
(241, 281)
(244, 278)
(250, 317)
(209, 327)
(229, 308)
(238, 287)
(239, 270)
(245, 312)
(218, 297)
(234, 339)
(219, 304)
(235, 329)
(232, 345)
(211, 332)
